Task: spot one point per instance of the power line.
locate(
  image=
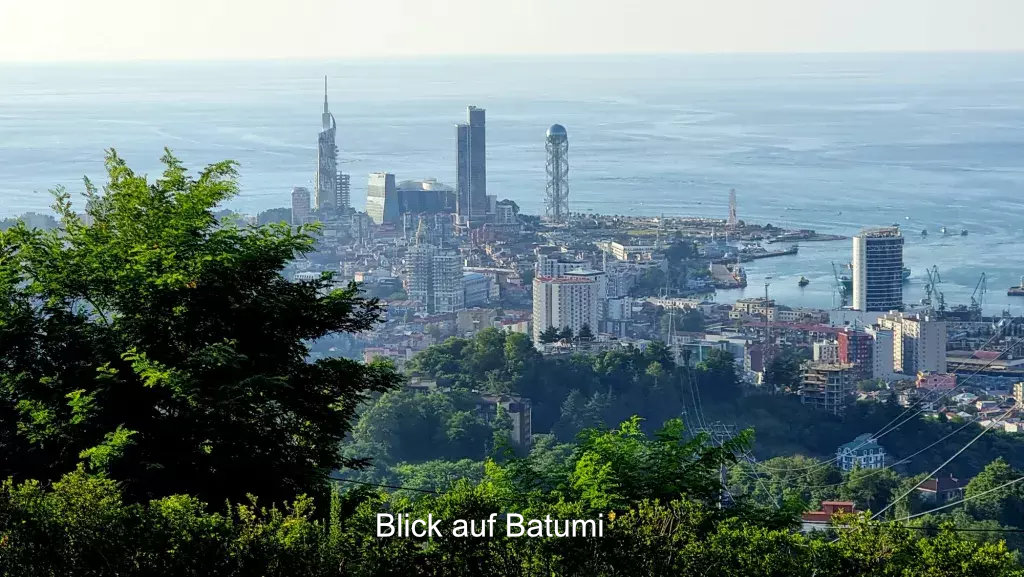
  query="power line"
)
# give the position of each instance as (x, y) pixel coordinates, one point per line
(946, 462)
(961, 501)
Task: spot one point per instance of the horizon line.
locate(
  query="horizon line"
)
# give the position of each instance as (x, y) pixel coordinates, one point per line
(516, 55)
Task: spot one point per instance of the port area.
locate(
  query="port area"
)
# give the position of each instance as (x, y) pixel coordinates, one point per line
(804, 236)
(728, 276)
(755, 253)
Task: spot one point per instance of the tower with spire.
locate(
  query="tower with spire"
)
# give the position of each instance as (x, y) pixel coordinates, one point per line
(331, 186)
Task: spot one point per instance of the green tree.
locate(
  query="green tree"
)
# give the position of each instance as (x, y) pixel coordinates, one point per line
(1006, 505)
(566, 333)
(165, 349)
(585, 333)
(549, 335)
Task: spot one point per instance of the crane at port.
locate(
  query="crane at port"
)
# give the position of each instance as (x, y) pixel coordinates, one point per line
(840, 288)
(978, 296)
(933, 296)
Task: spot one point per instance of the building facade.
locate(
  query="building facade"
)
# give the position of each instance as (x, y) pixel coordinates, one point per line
(382, 198)
(434, 278)
(471, 167)
(826, 387)
(863, 452)
(878, 270)
(564, 302)
(301, 211)
(857, 348)
(919, 343)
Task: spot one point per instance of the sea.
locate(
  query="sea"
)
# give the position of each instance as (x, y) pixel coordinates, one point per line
(835, 142)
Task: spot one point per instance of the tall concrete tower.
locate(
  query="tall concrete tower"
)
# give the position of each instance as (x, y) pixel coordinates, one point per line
(557, 193)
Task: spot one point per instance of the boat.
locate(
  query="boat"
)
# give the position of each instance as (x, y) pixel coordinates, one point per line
(963, 232)
(1016, 291)
(803, 281)
(924, 233)
(906, 274)
(944, 231)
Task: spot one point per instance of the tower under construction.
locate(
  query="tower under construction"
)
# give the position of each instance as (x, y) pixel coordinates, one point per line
(557, 196)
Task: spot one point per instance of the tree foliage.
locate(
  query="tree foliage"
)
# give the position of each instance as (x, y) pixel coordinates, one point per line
(155, 344)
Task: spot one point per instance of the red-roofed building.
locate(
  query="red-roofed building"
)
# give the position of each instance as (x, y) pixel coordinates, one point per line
(821, 520)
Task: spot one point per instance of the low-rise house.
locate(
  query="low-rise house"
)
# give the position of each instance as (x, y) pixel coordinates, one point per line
(941, 490)
(863, 452)
(822, 520)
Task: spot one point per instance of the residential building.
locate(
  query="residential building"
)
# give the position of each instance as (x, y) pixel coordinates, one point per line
(1018, 395)
(878, 270)
(826, 352)
(477, 288)
(631, 252)
(821, 520)
(434, 277)
(919, 342)
(471, 168)
(826, 386)
(300, 205)
(518, 409)
(382, 198)
(883, 358)
(863, 452)
(601, 279)
(941, 490)
(557, 264)
(564, 302)
(936, 381)
(505, 212)
(857, 348)
(757, 306)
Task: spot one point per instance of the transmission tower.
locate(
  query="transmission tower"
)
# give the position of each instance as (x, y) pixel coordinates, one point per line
(733, 221)
(557, 196)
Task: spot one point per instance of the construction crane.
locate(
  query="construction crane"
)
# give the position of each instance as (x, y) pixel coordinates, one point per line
(978, 296)
(840, 288)
(933, 296)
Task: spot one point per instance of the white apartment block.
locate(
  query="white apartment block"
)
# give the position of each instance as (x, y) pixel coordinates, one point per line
(568, 301)
(919, 343)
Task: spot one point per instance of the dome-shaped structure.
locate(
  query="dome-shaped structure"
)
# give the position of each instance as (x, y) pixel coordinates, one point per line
(557, 130)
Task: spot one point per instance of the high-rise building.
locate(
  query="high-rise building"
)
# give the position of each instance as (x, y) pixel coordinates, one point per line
(434, 275)
(883, 353)
(332, 187)
(471, 167)
(919, 343)
(426, 196)
(564, 302)
(878, 270)
(857, 348)
(382, 198)
(556, 144)
(826, 386)
(300, 205)
(601, 279)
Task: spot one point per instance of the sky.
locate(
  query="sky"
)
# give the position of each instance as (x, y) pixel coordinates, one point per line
(117, 30)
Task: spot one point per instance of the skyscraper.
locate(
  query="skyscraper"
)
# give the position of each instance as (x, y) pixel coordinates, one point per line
(382, 198)
(471, 167)
(300, 205)
(332, 187)
(434, 275)
(556, 144)
(878, 270)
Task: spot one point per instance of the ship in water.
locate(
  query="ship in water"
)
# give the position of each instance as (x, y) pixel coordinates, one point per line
(924, 232)
(943, 231)
(1016, 291)
(963, 232)
(803, 281)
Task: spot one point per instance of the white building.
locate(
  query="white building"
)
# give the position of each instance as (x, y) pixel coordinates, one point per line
(569, 301)
(878, 270)
(601, 279)
(826, 352)
(883, 356)
(919, 343)
(557, 265)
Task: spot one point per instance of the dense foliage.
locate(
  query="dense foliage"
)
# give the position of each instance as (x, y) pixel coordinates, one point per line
(160, 415)
(153, 343)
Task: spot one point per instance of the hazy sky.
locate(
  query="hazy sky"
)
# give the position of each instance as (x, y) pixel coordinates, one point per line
(71, 30)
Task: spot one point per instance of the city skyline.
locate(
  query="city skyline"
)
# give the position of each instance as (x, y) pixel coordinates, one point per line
(62, 30)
